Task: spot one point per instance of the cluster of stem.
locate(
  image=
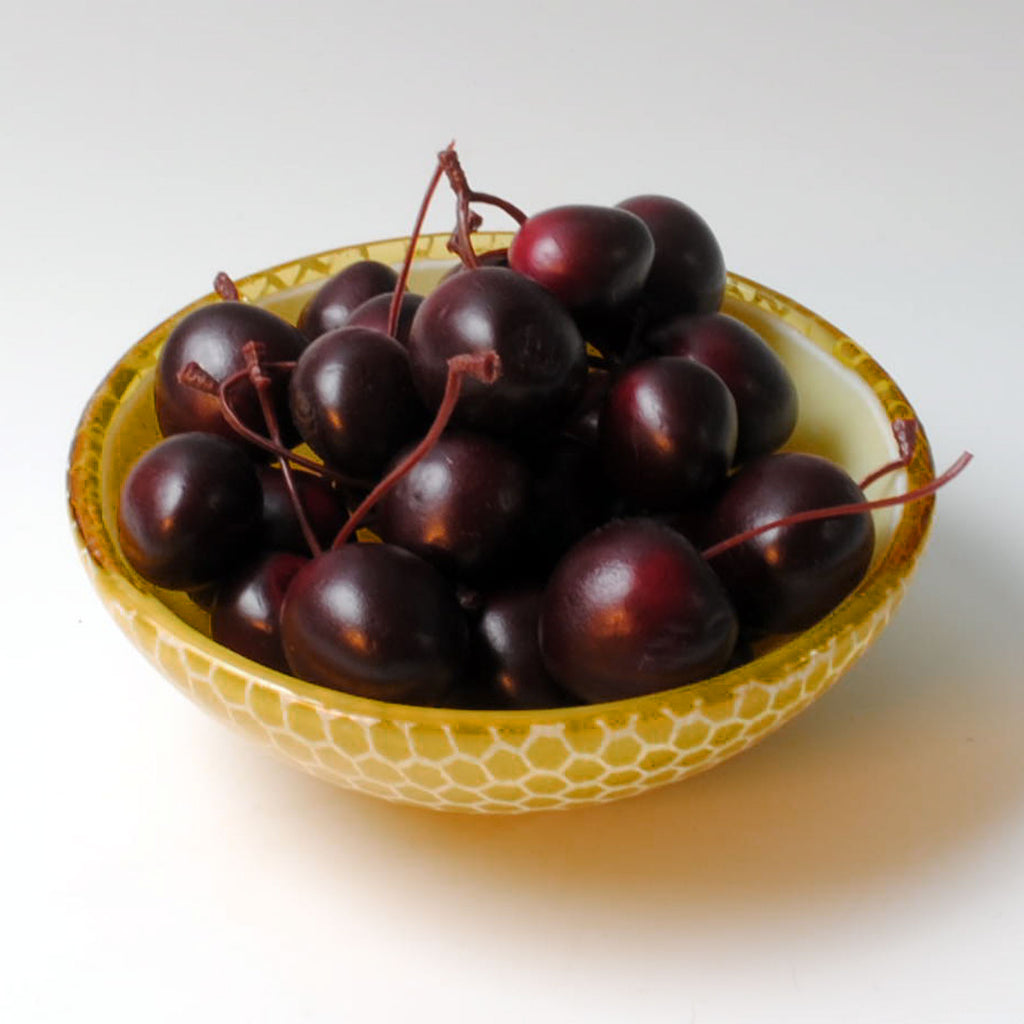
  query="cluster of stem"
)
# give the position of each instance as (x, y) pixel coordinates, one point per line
(482, 366)
(467, 220)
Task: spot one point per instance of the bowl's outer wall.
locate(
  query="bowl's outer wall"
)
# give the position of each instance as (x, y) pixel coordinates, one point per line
(469, 760)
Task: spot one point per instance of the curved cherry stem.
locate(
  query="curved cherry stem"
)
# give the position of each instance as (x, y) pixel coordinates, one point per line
(461, 242)
(502, 204)
(225, 287)
(854, 508)
(262, 384)
(460, 186)
(403, 278)
(194, 376)
(482, 366)
(905, 431)
(467, 221)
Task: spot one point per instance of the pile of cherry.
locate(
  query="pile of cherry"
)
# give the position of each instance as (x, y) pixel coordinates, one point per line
(553, 480)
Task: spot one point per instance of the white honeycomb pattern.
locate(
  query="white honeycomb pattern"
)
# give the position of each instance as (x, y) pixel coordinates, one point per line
(480, 762)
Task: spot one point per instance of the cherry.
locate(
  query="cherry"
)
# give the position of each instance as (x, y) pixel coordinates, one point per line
(374, 313)
(787, 578)
(509, 673)
(668, 433)
(189, 511)
(353, 399)
(213, 337)
(462, 507)
(588, 257)
(688, 271)
(323, 504)
(543, 358)
(376, 621)
(337, 298)
(246, 612)
(633, 609)
(765, 395)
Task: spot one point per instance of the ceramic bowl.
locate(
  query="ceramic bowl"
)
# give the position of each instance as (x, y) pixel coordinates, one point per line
(490, 761)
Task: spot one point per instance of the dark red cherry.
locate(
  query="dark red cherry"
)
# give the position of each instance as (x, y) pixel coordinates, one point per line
(462, 507)
(785, 579)
(339, 296)
(668, 433)
(376, 621)
(543, 357)
(633, 609)
(509, 673)
(374, 314)
(353, 400)
(765, 395)
(213, 337)
(324, 507)
(246, 614)
(587, 256)
(688, 272)
(189, 511)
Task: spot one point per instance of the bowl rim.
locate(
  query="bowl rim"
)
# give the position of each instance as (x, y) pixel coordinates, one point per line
(101, 557)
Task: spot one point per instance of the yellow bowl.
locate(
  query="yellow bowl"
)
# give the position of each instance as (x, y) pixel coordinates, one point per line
(491, 761)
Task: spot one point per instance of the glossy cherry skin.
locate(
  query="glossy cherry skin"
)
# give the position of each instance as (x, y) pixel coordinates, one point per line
(688, 272)
(353, 400)
(213, 337)
(375, 621)
(633, 609)
(375, 312)
(509, 673)
(668, 433)
(462, 507)
(337, 298)
(785, 579)
(189, 511)
(766, 398)
(543, 357)
(587, 256)
(246, 613)
(324, 507)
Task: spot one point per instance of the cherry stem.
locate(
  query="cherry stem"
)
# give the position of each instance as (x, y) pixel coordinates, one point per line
(482, 366)
(278, 450)
(403, 278)
(460, 186)
(251, 350)
(194, 376)
(905, 431)
(226, 288)
(855, 508)
(467, 221)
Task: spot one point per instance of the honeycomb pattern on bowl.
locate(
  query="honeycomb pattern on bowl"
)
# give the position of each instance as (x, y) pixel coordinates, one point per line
(505, 765)
(500, 762)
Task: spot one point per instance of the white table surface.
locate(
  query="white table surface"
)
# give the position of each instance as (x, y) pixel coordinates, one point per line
(864, 865)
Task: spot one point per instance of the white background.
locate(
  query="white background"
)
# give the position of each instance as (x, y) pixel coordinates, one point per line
(864, 865)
